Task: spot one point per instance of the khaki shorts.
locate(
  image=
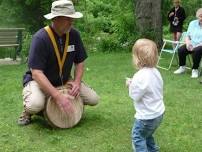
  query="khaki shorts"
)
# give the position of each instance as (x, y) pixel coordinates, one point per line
(34, 98)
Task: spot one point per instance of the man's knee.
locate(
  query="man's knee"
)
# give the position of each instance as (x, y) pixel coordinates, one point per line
(34, 105)
(92, 100)
(88, 95)
(33, 98)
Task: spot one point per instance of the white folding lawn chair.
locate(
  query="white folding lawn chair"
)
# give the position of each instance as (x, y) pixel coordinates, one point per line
(170, 47)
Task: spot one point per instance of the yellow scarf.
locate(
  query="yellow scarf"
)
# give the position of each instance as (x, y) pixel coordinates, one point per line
(60, 61)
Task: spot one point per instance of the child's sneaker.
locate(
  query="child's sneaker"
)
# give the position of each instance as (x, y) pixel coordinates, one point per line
(180, 70)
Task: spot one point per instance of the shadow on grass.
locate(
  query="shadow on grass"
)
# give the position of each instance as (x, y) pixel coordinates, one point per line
(89, 120)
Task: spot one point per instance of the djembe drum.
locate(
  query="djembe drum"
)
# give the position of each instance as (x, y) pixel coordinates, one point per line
(59, 119)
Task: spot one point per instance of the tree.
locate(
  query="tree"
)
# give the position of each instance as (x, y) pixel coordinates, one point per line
(149, 19)
(32, 12)
(24, 13)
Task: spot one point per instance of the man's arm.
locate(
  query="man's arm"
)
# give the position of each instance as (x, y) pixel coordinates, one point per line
(189, 46)
(75, 84)
(44, 83)
(78, 72)
(46, 86)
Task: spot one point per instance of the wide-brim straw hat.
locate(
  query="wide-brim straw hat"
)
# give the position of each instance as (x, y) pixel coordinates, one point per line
(63, 8)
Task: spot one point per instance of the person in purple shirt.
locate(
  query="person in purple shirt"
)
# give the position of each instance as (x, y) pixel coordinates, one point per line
(54, 50)
(193, 45)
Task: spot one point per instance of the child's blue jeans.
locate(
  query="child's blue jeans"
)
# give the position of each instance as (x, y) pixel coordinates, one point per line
(142, 135)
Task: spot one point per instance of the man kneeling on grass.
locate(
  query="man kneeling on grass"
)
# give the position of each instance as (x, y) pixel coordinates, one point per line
(50, 63)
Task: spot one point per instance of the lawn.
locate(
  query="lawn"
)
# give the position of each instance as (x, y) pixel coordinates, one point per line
(107, 126)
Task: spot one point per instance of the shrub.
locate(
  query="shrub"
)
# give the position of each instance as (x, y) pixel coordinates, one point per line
(26, 46)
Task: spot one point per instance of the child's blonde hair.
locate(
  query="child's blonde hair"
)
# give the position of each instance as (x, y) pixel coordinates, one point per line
(145, 53)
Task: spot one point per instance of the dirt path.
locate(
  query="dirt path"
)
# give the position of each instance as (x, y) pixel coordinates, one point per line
(9, 61)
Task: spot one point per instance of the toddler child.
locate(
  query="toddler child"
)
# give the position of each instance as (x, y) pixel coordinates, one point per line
(146, 91)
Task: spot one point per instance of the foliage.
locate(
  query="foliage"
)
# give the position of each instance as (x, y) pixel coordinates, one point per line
(108, 27)
(107, 126)
(109, 44)
(26, 46)
(99, 8)
(190, 7)
(8, 52)
(114, 18)
(28, 13)
(7, 17)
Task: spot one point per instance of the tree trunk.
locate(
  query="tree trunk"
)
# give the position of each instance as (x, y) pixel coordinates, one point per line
(149, 19)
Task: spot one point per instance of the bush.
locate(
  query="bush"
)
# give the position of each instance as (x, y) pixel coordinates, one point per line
(105, 25)
(109, 44)
(26, 46)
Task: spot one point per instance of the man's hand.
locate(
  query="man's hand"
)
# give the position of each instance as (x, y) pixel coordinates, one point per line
(64, 102)
(74, 88)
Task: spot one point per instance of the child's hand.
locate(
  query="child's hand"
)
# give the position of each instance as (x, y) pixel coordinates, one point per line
(128, 81)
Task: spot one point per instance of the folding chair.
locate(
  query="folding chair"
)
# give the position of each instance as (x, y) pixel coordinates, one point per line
(165, 49)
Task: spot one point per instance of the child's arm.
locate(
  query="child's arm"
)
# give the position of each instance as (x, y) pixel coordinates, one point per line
(137, 89)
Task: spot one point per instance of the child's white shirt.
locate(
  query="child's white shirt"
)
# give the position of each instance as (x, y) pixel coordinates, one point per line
(146, 90)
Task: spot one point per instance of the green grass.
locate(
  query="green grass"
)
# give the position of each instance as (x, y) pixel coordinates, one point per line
(107, 126)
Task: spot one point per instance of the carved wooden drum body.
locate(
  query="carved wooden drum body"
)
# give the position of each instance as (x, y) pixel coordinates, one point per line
(60, 119)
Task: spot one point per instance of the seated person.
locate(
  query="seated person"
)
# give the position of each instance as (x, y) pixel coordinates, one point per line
(193, 45)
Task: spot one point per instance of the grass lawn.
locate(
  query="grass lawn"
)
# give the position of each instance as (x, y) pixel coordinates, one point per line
(107, 126)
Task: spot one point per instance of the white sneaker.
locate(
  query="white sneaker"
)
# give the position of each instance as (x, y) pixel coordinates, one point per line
(194, 73)
(180, 70)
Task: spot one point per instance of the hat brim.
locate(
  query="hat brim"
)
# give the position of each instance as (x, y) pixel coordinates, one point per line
(75, 15)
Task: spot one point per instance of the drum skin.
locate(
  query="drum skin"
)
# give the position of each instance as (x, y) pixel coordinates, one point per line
(60, 119)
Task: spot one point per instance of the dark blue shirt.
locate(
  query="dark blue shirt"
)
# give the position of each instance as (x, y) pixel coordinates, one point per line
(42, 55)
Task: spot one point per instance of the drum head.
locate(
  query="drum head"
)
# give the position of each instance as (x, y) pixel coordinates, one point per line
(57, 118)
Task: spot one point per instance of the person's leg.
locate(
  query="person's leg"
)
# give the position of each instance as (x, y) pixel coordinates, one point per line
(196, 56)
(33, 102)
(33, 98)
(151, 126)
(174, 39)
(178, 35)
(182, 53)
(88, 95)
(174, 36)
(151, 145)
(138, 137)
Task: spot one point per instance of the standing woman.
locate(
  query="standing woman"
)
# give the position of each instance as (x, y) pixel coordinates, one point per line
(176, 16)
